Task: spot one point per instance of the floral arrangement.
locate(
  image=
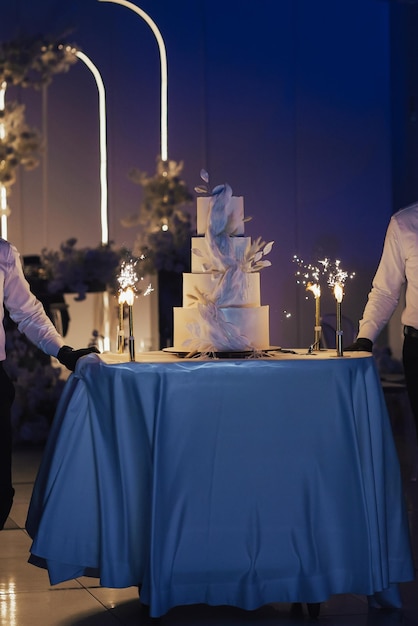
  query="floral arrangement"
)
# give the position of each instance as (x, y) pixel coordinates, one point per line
(21, 145)
(30, 62)
(79, 270)
(33, 61)
(165, 224)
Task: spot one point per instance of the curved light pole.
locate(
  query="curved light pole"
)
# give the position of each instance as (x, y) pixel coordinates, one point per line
(4, 210)
(103, 142)
(103, 182)
(163, 64)
(103, 178)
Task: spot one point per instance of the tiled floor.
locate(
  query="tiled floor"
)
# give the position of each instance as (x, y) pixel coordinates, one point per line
(27, 599)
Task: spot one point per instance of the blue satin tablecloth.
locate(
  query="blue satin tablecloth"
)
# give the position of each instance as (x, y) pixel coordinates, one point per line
(237, 482)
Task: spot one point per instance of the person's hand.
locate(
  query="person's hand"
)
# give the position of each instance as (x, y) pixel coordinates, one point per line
(69, 357)
(360, 345)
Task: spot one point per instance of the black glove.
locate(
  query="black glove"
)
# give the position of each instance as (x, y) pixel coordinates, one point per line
(69, 357)
(360, 345)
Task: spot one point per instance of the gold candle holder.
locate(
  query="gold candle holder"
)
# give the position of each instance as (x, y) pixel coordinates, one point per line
(338, 293)
(121, 329)
(130, 296)
(318, 321)
(316, 290)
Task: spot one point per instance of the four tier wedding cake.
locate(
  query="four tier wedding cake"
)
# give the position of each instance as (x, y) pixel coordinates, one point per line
(221, 309)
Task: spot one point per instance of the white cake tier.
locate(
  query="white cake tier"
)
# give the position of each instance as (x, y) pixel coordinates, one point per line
(235, 211)
(192, 331)
(248, 293)
(201, 257)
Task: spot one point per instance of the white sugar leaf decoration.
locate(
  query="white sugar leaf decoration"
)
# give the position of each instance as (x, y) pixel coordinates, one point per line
(247, 219)
(268, 247)
(258, 256)
(197, 252)
(259, 266)
(201, 189)
(204, 175)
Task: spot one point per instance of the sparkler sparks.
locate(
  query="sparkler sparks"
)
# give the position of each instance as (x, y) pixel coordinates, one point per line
(148, 290)
(338, 276)
(128, 276)
(310, 275)
(307, 273)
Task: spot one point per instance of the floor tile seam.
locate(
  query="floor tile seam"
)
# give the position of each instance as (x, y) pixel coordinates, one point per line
(102, 604)
(37, 591)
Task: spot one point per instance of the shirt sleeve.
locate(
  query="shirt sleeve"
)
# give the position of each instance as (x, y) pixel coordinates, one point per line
(26, 310)
(386, 287)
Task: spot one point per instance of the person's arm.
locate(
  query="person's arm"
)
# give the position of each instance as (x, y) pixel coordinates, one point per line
(26, 310)
(385, 293)
(28, 313)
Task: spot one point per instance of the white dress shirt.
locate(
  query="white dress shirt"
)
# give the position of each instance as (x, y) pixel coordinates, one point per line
(24, 308)
(398, 265)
